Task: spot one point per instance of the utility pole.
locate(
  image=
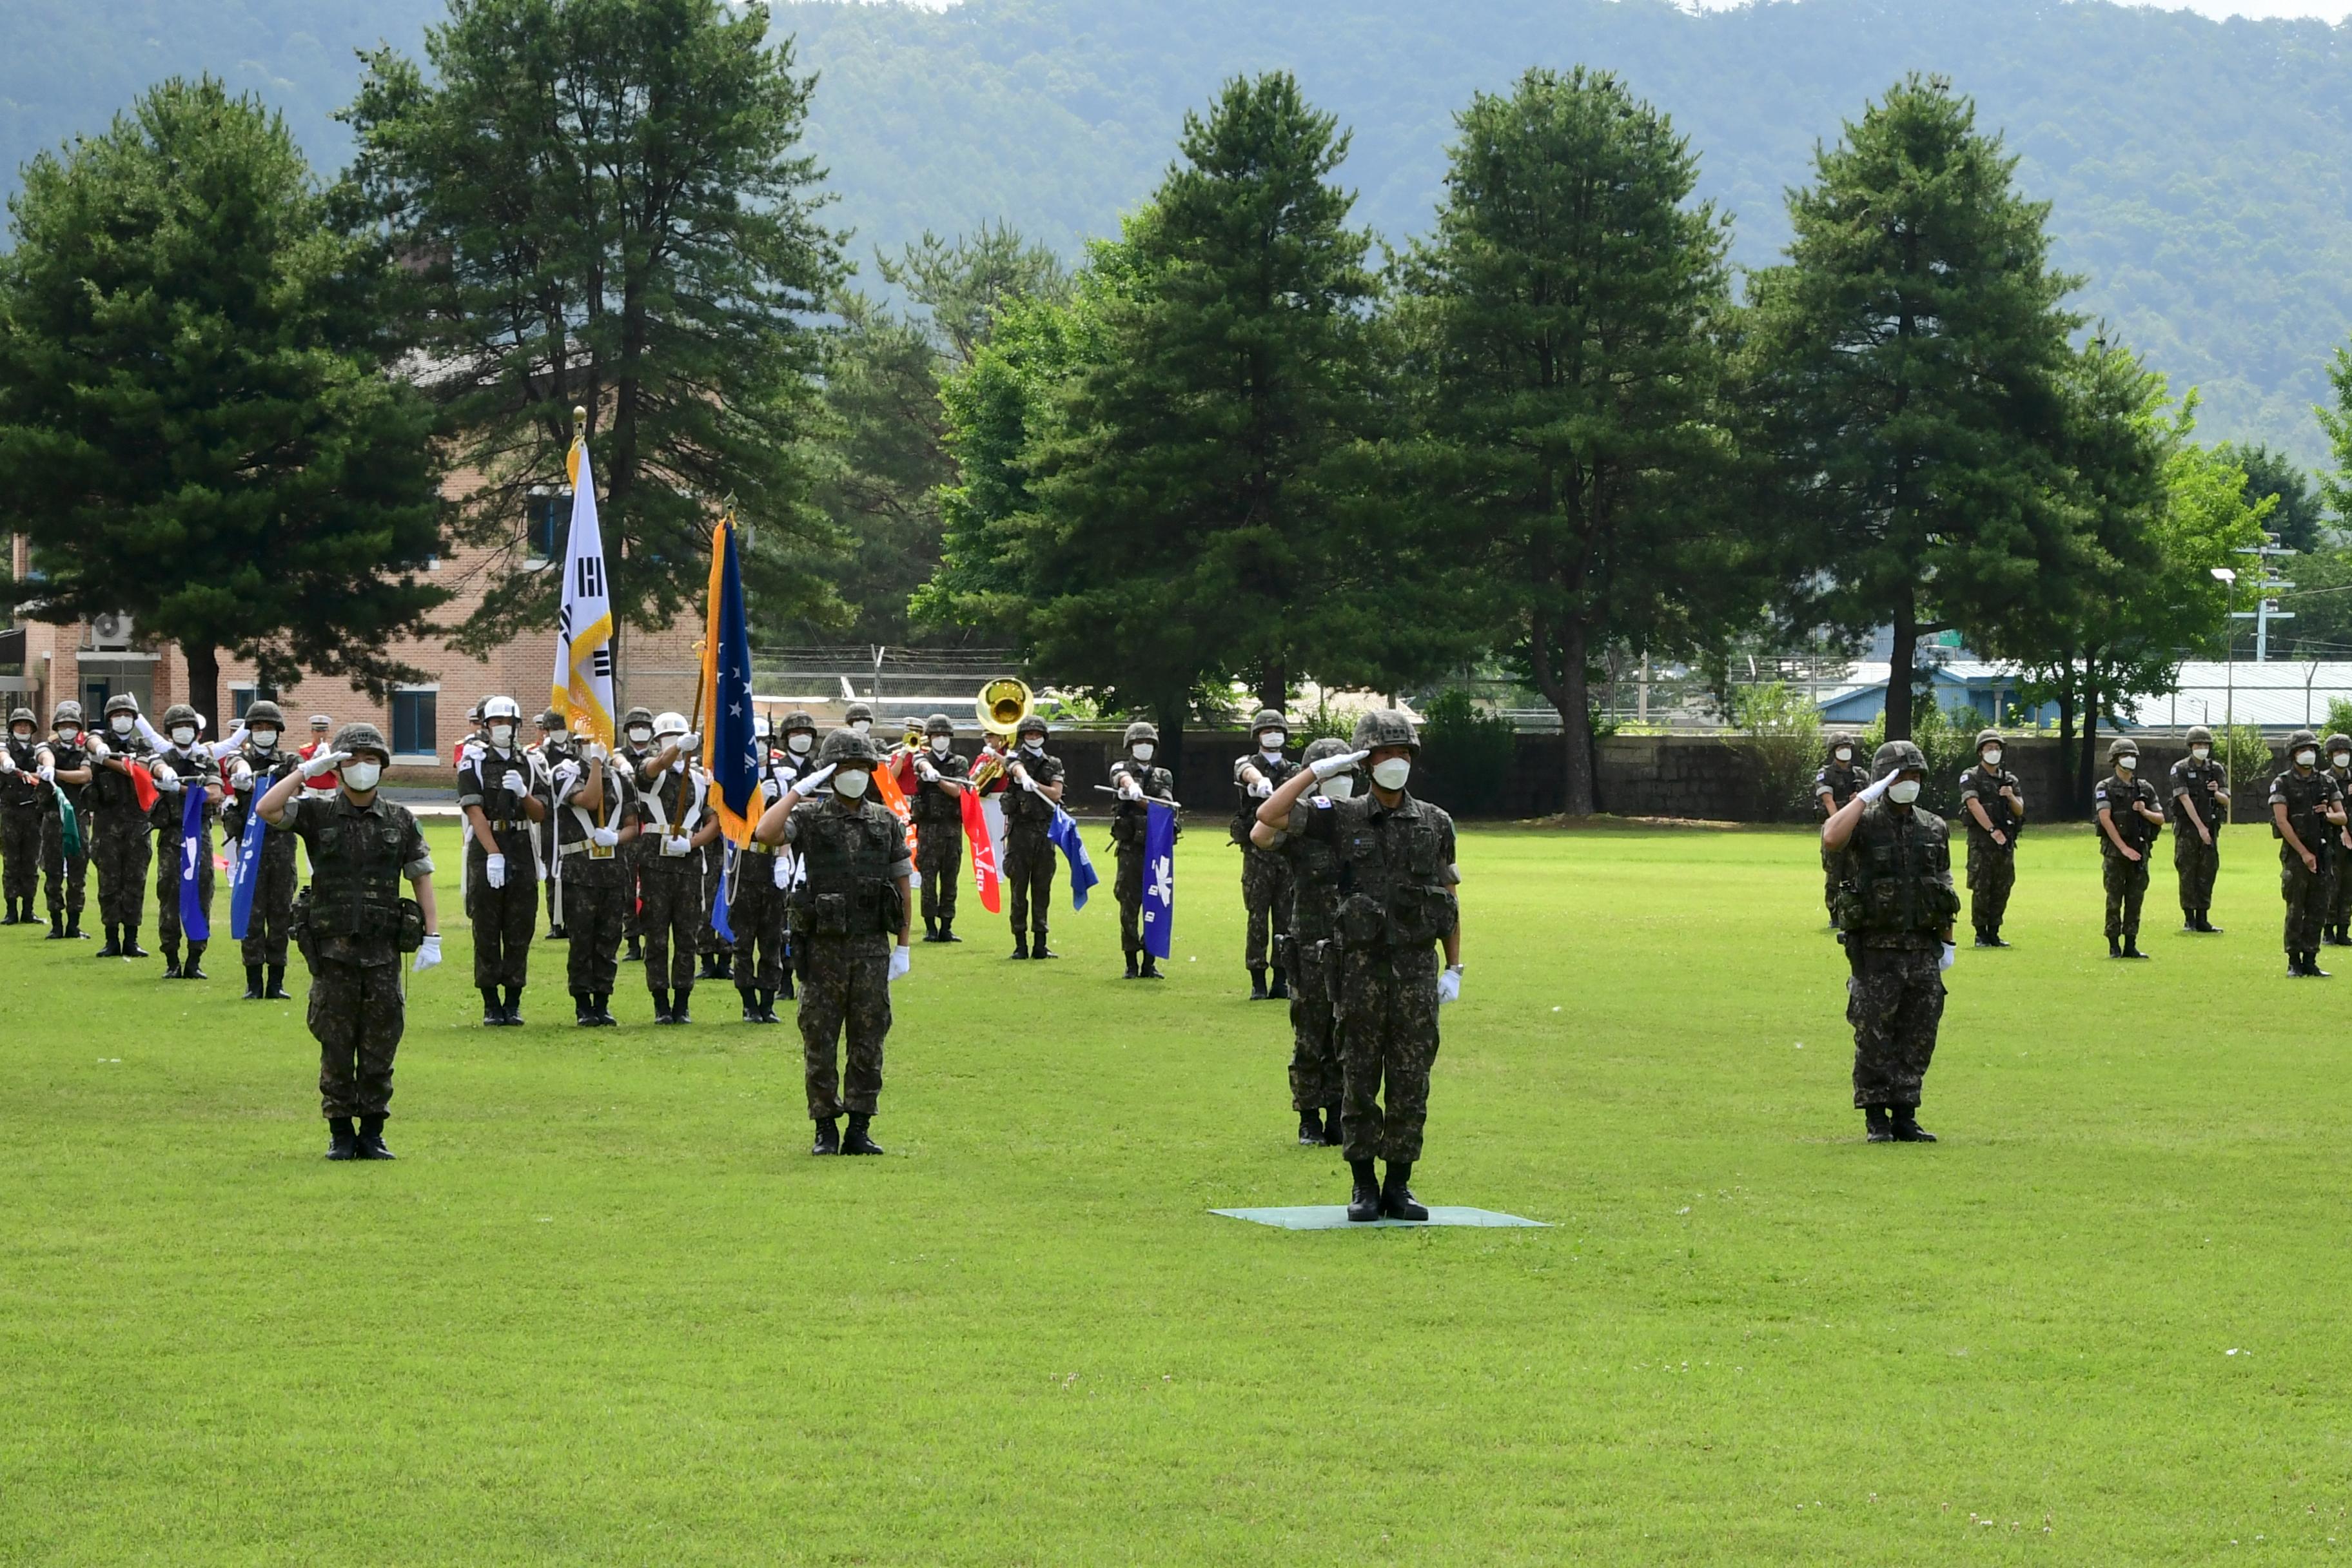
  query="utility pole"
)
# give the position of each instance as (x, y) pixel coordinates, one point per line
(2266, 609)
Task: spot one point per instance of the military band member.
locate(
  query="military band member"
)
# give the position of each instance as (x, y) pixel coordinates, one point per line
(637, 743)
(2130, 816)
(2338, 749)
(937, 804)
(122, 839)
(502, 795)
(184, 763)
(1835, 785)
(353, 926)
(26, 777)
(1138, 779)
(674, 792)
(596, 820)
(1317, 1071)
(2307, 816)
(2200, 802)
(1265, 878)
(1993, 803)
(254, 767)
(1032, 787)
(66, 876)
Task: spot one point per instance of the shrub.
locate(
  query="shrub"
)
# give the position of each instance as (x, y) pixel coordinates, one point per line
(1466, 755)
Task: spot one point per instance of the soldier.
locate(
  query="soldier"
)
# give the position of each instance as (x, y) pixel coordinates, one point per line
(938, 809)
(800, 740)
(553, 744)
(123, 841)
(66, 876)
(1266, 878)
(353, 925)
(254, 767)
(1316, 1068)
(596, 820)
(1032, 786)
(636, 745)
(851, 902)
(2200, 804)
(672, 788)
(1397, 877)
(1138, 779)
(325, 785)
(1835, 785)
(26, 777)
(185, 763)
(859, 716)
(1994, 802)
(2305, 803)
(501, 796)
(755, 906)
(2339, 882)
(1896, 909)
(2129, 817)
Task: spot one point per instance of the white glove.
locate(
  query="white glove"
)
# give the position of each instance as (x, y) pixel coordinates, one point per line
(814, 777)
(49, 774)
(783, 872)
(429, 954)
(324, 762)
(1872, 792)
(494, 870)
(1950, 953)
(513, 782)
(1449, 987)
(604, 838)
(690, 744)
(240, 776)
(902, 959)
(925, 770)
(677, 843)
(1028, 783)
(1332, 767)
(1262, 789)
(594, 752)
(165, 779)
(1127, 790)
(97, 751)
(7, 764)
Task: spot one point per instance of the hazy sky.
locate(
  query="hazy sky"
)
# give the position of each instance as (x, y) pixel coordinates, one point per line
(2327, 10)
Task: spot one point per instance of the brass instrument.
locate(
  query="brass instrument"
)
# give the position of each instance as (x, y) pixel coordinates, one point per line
(914, 738)
(1002, 704)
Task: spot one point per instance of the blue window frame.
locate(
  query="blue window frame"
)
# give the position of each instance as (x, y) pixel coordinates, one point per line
(415, 722)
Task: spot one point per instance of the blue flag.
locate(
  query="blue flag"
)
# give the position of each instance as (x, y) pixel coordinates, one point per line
(730, 750)
(1065, 835)
(192, 849)
(1158, 878)
(720, 923)
(247, 875)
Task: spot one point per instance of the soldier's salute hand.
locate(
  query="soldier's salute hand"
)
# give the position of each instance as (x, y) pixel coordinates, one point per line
(1331, 767)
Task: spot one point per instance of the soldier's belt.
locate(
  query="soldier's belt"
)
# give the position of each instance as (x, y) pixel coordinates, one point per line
(594, 852)
(524, 825)
(756, 847)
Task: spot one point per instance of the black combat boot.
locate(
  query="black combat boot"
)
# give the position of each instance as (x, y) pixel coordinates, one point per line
(828, 1137)
(1257, 986)
(1020, 944)
(2131, 945)
(514, 1006)
(702, 968)
(858, 1140)
(57, 929)
(768, 1005)
(372, 1139)
(931, 928)
(788, 994)
(947, 929)
(584, 1010)
(494, 1013)
(637, 953)
(678, 1009)
(274, 991)
(1151, 968)
(1332, 1127)
(343, 1142)
(2205, 923)
(2115, 947)
(113, 947)
(750, 1004)
(2311, 965)
(1310, 1129)
(1038, 948)
(1878, 1127)
(73, 926)
(131, 948)
(10, 918)
(1906, 1126)
(1280, 990)
(1397, 1201)
(170, 960)
(2294, 964)
(1364, 1197)
(661, 1004)
(722, 965)
(1132, 970)
(193, 968)
(1996, 940)
(252, 983)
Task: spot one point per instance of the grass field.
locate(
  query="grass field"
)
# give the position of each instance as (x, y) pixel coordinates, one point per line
(606, 1309)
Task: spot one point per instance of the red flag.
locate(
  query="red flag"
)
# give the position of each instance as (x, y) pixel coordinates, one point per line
(143, 784)
(886, 784)
(983, 852)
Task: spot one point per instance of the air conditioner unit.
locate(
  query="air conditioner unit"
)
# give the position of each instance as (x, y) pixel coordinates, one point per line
(111, 629)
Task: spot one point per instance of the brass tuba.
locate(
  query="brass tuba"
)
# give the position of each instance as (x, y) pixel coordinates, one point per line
(1002, 705)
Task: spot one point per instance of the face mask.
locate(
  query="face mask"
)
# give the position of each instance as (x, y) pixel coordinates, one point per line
(852, 784)
(1992, 756)
(501, 736)
(942, 746)
(2201, 752)
(69, 734)
(639, 735)
(864, 726)
(799, 744)
(1846, 753)
(2342, 758)
(1340, 788)
(2306, 759)
(1272, 743)
(1143, 750)
(23, 737)
(359, 777)
(122, 724)
(1035, 747)
(1903, 792)
(183, 735)
(267, 739)
(1390, 774)
(2126, 764)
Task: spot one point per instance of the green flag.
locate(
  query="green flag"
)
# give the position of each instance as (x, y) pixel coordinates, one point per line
(69, 823)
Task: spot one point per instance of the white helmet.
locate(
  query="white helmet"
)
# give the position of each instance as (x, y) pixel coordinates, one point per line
(669, 724)
(502, 708)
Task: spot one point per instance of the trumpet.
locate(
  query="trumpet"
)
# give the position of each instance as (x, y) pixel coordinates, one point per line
(913, 742)
(1002, 704)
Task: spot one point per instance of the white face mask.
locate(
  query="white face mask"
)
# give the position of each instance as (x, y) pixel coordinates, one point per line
(360, 776)
(501, 736)
(2201, 752)
(941, 745)
(851, 784)
(122, 724)
(69, 734)
(184, 734)
(1143, 750)
(864, 726)
(639, 735)
(1903, 792)
(1390, 774)
(2306, 759)
(21, 737)
(267, 739)
(1272, 743)
(1035, 747)
(2126, 764)
(1991, 756)
(1343, 788)
(1846, 753)
(799, 742)
(2341, 759)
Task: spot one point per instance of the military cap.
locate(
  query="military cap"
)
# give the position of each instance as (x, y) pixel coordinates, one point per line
(1385, 727)
(22, 716)
(2337, 742)
(2200, 736)
(1839, 738)
(940, 724)
(846, 745)
(362, 736)
(1267, 719)
(1033, 725)
(1140, 730)
(857, 712)
(320, 720)
(178, 713)
(2302, 737)
(1988, 738)
(2122, 746)
(265, 712)
(800, 719)
(638, 715)
(68, 712)
(496, 708)
(122, 702)
(1895, 756)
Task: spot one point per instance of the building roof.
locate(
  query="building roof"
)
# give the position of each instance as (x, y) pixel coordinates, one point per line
(2276, 695)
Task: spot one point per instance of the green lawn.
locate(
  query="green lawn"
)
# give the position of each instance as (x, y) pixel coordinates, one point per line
(606, 1309)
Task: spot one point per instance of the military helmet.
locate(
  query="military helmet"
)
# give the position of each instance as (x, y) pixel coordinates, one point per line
(1895, 756)
(2301, 738)
(122, 702)
(265, 712)
(1839, 738)
(2122, 746)
(2200, 736)
(68, 712)
(1328, 746)
(800, 719)
(502, 708)
(1385, 727)
(2337, 743)
(1988, 738)
(179, 713)
(1033, 725)
(1140, 730)
(940, 724)
(1267, 719)
(857, 712)
(846, 745)
(637, 715)
(669, 724)
(550, 719)
(22, 716)
(362, 736)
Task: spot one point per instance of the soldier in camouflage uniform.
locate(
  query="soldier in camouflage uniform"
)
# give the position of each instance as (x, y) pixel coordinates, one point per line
(1835, 785)
(253, 768)
(353, 925)
(2337, 748)
(673, 790)
(1397, 876)
(1993, 803)
(2307, 813)
(849, 907)
(1032, 786)
(1266, 878)
(756, 907)
(858, 717)
(2129, 814)
(66, 876)
(1137, 778)
(2200, 804)
(502, 795)
(596, 820)
(637, 743)
(941, 772)
(547, 753)
(185, 763)
(122, 840)
(1896, 909)
(24, 779)
(1315, 1067)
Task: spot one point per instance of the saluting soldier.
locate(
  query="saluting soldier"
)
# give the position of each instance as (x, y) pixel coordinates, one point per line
(1833, 785)
(674, 791)
(501, 795)
(123, 839)
(1266, 878)
(256, 765)
(24, 779)
(755, 905)
(1138, 779)
(596, 820)
(2200, 802)
(940, 775)
(2129, 817)
(1397, 877)
(353, 926)
(637, 743)
(849, 909)
(2339, 880)
(2307, 816)
(1032, 787)
(1993, 802)
(66, 876)
(185, 763)
(1317, 1073)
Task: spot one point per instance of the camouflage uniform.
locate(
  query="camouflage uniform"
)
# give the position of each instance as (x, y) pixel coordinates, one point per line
(1992, 868)
(67, 878)
(938, 834)
(1266, 875)
(845, 915)
(196, 770)
(504, 919)
(596, 882)
(24, 797)
(2309, 797)
(755, 909)
(2194, 860)
(1895, 901)
(629, 756)
(267, 926)
(2338, 925)
(1129, 819)
(2126, 880)
(671, 888)
(1841, 780)
(1315, 1072)
(122, 841)
(1029, 854)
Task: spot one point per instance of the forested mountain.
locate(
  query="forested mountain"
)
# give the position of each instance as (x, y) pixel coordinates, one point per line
(2201, 171)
